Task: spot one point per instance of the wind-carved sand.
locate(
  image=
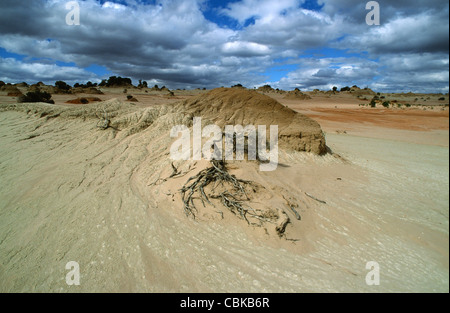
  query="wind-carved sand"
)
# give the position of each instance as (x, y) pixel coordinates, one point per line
(109, 198)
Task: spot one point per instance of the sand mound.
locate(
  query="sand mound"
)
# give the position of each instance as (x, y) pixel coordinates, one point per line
(15, 94)
(9, 88)
(88, 91)
(226, 106)
(266, 88)
(356, 91)
(221, 106)
(297, 95)
(84, 100)
(51, 89)
(132, 99)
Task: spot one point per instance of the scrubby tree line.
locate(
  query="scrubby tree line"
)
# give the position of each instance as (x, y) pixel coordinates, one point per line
(87, 85)
(115, 81)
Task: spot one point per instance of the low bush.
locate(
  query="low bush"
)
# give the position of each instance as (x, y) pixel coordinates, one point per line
(36, 96)
(62, 85)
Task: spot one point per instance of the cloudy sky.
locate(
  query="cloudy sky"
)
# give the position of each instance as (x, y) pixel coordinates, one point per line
(288, 44)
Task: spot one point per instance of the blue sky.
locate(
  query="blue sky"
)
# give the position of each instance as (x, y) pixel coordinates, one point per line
(288, 44)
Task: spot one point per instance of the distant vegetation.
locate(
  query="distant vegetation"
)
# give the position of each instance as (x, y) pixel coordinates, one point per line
(114, 81)
(142, 84)
(62, 85)
(87, 85)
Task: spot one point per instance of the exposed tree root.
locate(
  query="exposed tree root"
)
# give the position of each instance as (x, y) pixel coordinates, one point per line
(226, 188)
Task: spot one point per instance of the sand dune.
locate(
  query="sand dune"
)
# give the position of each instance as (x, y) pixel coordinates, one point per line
(104, 198)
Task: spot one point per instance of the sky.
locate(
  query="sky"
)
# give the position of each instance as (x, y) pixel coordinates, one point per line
(305, 44)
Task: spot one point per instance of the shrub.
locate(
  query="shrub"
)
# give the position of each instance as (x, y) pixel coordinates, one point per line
(89, 84)
(335, 88)
(36, 96)
(62, 85)
(373, 103)
(441, 99)
(386, 104)
(129, 97)
(345, 88)
(114, 81)
(408, 105)
(142, 84)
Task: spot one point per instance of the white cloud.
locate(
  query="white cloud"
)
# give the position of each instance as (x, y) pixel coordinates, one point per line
(112, 5)
(325, 73)
(266, 10)
(244, 49)
(12, 70)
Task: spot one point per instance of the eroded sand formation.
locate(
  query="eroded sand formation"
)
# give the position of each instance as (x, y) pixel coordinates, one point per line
(109, 198)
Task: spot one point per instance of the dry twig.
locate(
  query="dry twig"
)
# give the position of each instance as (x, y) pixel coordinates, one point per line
(233, 197)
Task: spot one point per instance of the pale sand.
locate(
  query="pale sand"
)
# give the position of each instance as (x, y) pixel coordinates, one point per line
(71, 192)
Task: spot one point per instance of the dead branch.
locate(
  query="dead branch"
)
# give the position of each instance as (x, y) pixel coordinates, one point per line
(233, 198)
(312, 197)
(282, 223)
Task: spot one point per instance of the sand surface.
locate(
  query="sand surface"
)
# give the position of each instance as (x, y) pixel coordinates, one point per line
(73, 192)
